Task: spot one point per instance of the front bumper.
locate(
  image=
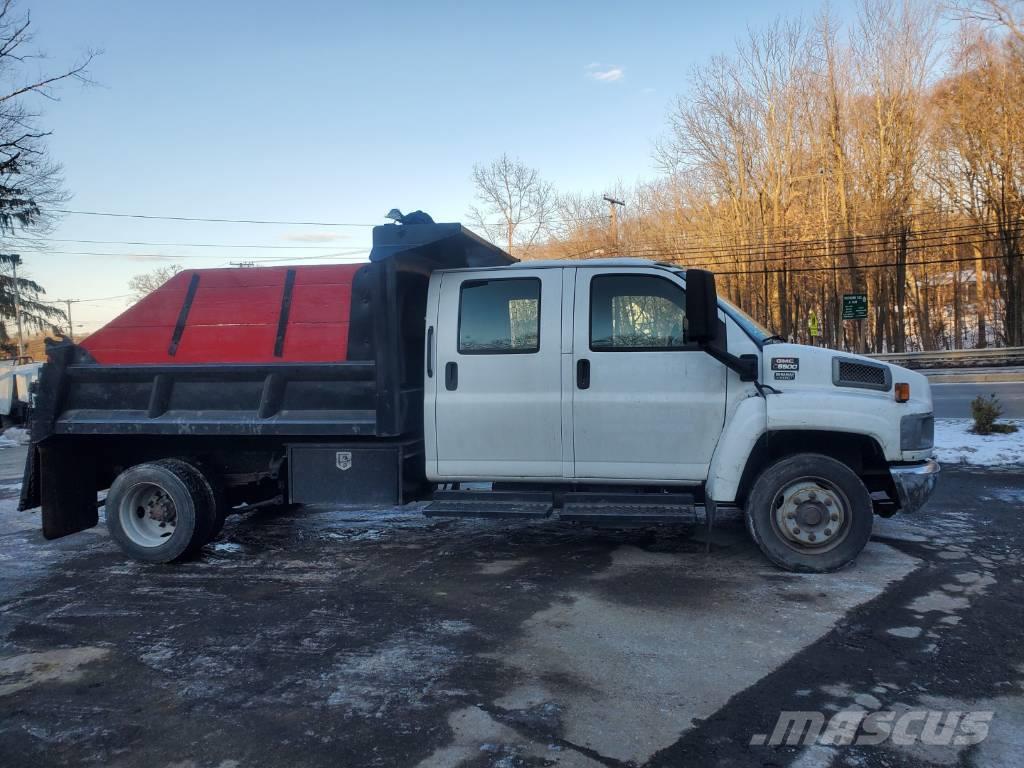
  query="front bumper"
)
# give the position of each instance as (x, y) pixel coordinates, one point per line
(914, 483)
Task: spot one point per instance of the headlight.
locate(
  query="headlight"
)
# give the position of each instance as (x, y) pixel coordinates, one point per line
(917, 432)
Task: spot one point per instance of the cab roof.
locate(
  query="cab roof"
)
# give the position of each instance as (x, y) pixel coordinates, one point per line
(619, 261)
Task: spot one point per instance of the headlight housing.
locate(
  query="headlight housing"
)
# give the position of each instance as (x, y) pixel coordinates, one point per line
(917, 432)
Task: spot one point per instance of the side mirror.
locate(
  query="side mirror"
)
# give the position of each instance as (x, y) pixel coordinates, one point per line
(704, 328)
(701, 306)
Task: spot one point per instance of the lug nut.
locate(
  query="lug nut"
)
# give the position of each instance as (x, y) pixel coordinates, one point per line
(833, 517)
(796, 530)
(828, 502)
(828, 531)
(812, 537)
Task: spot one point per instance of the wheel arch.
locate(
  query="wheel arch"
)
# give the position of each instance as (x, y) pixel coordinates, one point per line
(861, 453)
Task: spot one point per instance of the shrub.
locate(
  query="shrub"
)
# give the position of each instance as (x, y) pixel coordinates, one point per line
(985, 411)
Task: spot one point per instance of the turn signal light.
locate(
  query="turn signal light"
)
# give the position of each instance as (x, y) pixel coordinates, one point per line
(902, 392)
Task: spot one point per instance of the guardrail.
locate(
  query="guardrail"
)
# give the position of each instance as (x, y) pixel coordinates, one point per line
(990, 357)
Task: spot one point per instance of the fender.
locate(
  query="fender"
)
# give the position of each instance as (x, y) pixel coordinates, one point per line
(850, 411)
(748, 422)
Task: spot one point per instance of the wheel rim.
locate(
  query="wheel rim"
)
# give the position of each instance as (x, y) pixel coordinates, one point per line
(147, 515)
(811, 515)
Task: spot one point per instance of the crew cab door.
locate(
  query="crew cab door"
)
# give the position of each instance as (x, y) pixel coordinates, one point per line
(646, 404)
(496, 379)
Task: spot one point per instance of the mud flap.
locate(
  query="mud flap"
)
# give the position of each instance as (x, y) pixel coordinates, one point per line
(67, 480)
(30, 482)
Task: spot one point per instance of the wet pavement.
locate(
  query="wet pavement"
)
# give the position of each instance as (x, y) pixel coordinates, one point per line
(344, 637)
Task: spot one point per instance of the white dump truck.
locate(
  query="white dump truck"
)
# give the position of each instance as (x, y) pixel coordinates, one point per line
(602, 392)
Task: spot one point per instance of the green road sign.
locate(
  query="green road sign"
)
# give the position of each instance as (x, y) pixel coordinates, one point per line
(855, 306)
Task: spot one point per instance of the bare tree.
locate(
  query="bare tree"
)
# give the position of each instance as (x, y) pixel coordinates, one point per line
(1007, 14)
(514, 204)
(814, 161)
(144, 284)
(30, 183)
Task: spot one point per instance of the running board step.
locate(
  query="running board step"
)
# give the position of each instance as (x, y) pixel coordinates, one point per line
(629, 508)
(493, 504)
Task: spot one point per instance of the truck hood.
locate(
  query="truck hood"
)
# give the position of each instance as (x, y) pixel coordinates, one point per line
(821, 388)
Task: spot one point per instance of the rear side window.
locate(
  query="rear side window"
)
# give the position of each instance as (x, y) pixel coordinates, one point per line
(636, 313)
(499, 316)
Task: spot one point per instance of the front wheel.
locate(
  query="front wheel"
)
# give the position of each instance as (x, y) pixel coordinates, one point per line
(809, 513)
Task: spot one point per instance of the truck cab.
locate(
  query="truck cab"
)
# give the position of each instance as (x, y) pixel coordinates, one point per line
(584, 374)
(599, 392)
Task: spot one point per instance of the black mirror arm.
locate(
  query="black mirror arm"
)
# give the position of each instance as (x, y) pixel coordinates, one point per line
(744, 365)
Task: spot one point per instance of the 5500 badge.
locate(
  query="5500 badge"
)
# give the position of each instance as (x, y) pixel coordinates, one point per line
(785, 368)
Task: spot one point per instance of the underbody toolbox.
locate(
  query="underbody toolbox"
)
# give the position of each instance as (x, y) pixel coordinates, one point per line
(352, 473)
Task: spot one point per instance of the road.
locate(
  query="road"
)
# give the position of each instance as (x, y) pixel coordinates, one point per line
(953, 401)
(352, 637)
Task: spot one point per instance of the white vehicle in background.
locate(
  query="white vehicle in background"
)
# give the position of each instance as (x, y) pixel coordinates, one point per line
(16, 379)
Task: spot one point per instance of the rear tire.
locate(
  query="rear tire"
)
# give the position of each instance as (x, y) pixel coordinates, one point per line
(809, 513)
(215, 492)
(160, 512)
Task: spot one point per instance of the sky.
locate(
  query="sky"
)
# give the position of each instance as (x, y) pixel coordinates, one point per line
(323, 111)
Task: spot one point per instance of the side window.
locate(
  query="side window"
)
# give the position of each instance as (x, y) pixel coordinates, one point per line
(499, 316)
(636, 313)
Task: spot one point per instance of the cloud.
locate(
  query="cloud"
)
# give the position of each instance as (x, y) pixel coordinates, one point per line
(605, 73)
(315, 237)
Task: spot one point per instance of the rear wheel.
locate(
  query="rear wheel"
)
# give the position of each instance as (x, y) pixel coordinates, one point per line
(159, 512)
(214, 489)
(809, 512)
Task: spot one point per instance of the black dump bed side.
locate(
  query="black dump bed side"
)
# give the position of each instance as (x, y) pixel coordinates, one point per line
(376, 394)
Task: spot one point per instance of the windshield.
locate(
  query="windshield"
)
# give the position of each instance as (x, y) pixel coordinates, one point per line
(754, 329)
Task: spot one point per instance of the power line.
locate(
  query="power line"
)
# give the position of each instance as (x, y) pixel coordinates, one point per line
(887, 265)
(213, 220)
(186, 245)
(788, 247)
(927, 241)
(348, 254)
(860, 247)
(87, 301)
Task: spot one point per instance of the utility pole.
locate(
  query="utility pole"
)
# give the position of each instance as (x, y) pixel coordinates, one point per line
(71, 325)
(17, 305)
(614, 216)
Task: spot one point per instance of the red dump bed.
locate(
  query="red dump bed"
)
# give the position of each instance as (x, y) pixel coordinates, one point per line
(249, 315)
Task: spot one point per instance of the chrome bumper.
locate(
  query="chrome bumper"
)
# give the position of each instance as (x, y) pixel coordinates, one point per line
(915, 483)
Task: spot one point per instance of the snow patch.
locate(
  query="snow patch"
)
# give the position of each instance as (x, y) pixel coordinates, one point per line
(13, 436)
(954, 444)
(908, 632)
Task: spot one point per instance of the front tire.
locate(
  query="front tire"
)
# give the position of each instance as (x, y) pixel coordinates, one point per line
(159, 512)
(809, 513)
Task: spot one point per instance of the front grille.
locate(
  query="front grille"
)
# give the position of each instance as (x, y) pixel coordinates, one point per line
(854, 373)
(858, 373)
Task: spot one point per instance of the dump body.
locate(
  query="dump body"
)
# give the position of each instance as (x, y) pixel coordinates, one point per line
(298, 314)
(235, 367)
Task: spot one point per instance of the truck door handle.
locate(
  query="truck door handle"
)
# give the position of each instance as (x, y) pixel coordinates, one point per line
(430, 352)
(451, 376)
(583, 374)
